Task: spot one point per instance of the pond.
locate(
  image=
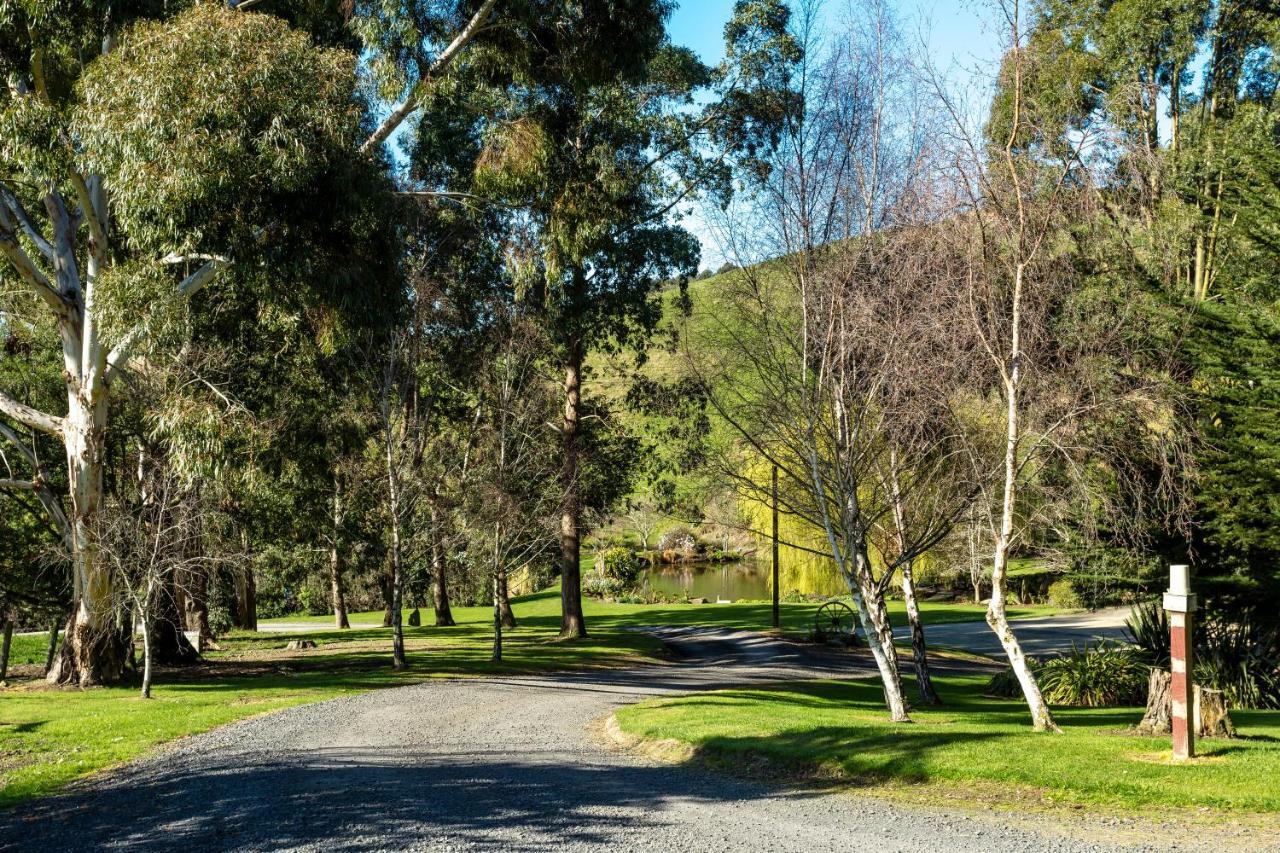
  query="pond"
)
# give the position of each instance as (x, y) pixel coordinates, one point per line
(745, 579)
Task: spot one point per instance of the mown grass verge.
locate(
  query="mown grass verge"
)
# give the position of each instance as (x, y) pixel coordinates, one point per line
(838, 730)
(543, 610)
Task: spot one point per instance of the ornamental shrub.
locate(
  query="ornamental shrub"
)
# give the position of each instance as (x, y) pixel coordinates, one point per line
(620, 564)
(1062, 593)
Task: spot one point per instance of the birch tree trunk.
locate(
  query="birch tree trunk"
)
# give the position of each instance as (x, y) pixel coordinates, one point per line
(919, 651)
(997, 617)
(572, 623)
(884, 655)
(875, 622)
(145, 616)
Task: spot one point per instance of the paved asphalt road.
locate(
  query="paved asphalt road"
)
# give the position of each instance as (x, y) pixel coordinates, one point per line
(1044, 637)
(514, 763)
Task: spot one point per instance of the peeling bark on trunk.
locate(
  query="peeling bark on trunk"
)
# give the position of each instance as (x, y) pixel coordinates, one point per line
(919, 651)
(1210, 715)
(873, 615)
(90, 656)
(93, 650)
(572, 623)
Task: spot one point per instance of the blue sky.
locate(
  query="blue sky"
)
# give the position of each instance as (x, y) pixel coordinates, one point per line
(959, 32)
(961, 35)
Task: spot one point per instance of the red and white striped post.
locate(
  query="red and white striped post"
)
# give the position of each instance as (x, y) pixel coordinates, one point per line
(1180, 602)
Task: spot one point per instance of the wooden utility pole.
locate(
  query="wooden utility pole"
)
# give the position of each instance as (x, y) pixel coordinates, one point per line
(777, 621)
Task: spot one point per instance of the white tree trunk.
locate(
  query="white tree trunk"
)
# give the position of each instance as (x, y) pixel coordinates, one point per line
(884, 654)
(997, 618)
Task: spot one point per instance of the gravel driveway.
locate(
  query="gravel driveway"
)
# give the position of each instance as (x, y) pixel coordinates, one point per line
(510, 763)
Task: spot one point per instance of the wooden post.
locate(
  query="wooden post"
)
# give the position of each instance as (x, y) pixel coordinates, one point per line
(777, 617)
(1180, 602)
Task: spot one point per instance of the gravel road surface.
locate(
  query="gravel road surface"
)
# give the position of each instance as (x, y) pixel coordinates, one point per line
(496, 764)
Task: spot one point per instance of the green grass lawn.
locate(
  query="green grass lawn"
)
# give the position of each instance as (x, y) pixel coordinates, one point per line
(49, 737)
(975, 744)
(543, 610)
(28, 649)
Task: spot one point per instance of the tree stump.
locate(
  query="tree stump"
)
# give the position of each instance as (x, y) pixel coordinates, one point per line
(1210, 715)
(1212, 718)
(297, 645)
(1158, 720)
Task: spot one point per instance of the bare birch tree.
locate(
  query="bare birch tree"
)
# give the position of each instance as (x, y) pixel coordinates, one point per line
(1061, 361)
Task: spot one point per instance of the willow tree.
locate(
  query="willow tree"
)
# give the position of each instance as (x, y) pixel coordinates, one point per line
(144, 162)
(597, 138)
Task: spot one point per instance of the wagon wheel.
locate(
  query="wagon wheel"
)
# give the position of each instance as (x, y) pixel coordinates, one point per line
(835, 621)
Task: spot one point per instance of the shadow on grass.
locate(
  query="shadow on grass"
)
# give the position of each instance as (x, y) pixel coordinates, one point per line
(866, 755)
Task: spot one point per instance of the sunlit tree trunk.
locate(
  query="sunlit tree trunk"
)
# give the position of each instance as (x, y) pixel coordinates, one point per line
(919, 650)
(997, 617)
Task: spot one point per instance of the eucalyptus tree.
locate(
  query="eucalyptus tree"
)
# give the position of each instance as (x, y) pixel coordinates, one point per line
(596, 137)
(152, 152)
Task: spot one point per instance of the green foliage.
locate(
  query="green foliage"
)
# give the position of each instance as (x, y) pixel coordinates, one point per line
(1090, 677)
(1062, 593)
(1236, 352)
(1094, 677)
(1004, 684)
(1240, 657)
(620, 564)
(1236, 651)
(214, 124)
(1148, 629)
(598, 585)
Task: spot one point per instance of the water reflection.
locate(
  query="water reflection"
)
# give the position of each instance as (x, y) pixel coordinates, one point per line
(745, 579)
